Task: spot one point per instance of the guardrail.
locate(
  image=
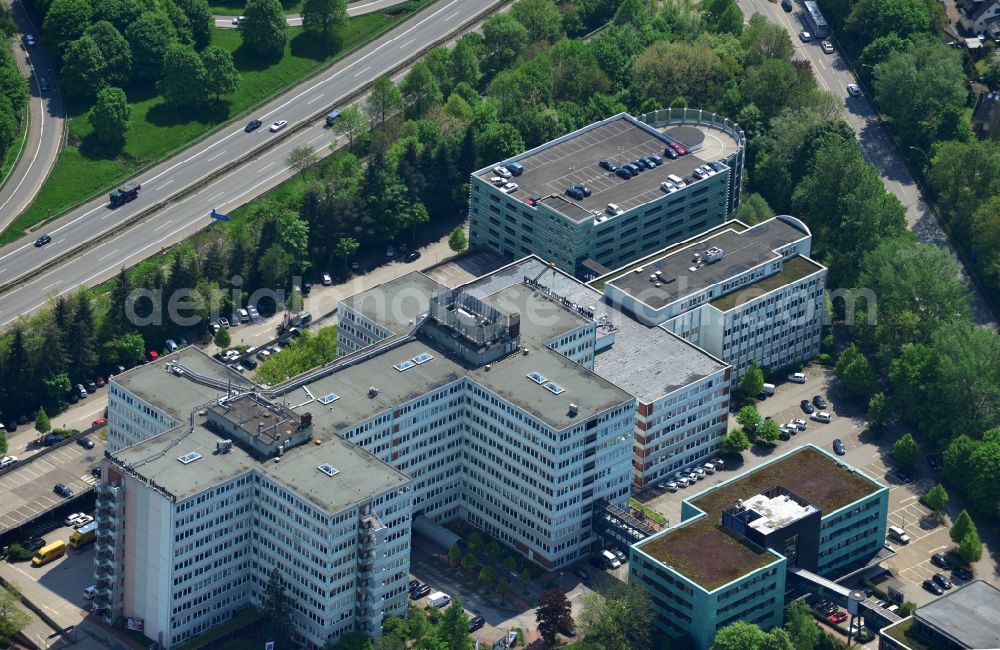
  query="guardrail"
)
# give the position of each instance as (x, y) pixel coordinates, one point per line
(49, 449)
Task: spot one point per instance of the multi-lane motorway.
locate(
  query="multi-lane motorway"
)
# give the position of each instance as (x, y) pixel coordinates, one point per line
(833, 73)
(122, 246)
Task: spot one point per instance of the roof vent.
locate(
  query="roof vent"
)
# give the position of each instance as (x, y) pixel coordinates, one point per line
(488, 366)
(372, 391)
(573, 410)
(223, 446)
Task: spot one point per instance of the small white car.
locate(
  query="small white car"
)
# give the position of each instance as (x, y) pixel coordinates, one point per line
(502, 172)
(83, 521)
(29, 39)
(854, 90)
(669, 486)
(7, 461)
(277, 126)
(805, 37)
(73, 518)
(326, 280)
(238, 20)
(797, 378)
(800, 424)
(827, 47)
(510, 188)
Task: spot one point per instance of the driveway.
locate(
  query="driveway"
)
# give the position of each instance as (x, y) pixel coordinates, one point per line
(46, 123)
(295, 20)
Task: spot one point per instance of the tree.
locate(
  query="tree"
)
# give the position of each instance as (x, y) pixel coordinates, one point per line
(13, 619)
(801, 626)
(264, 28)
(752, 383)
(457, 240)
(277, 611)
(970, 549)
(554, 615)
(83, 71)
(221, 75)
(200, 20)
(749, 419)
(351, 123)
(64, 22)
(422, 87)
(469, 563)
(185, 81)
(754, 208)
(384, 100)
(487, 575)
(493, 550)
(115, 51)
(963, 524)
(347, 247)
(540, 17)
(455, 554)
(503, 588)
(878, 410)
(906, 451)
(222, 338)
(936, 499)
(418, 624)
(622, 621)
(735, 442)
(111, 116)
(855, 371)
(740, 636)
(149, 37)
(302, 158)
(325, 14)
(42, 423)
(454, 627)
(475, 541)
(768, 431)
(505, 39)
(870, 19)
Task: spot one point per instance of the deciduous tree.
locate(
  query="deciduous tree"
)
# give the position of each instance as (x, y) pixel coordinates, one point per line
(554, 615)
(111, 116)
(185, 81)
(352, 122)
(801, 626)
(115, 51)
(970, 548)
(301, 159)
(735, 442)
(540, 17)
(384, 100)
(963, 524)
(264, 28)
(457, 240)
(752, 383)
(84, 70)
(906, 451)
(221, 75)
(325, 14)
(936, 498)
(64, 22)
(149, 37)
(749, 419)
(768, 431)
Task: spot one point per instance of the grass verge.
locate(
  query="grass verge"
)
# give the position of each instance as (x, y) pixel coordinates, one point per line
(83, 170)
(649, 512)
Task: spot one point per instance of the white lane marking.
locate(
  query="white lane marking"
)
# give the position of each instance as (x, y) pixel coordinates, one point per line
(52, 285)
(315, 99)
(101, 259)
(407, 43)
(451, 16)
(216, 156)
(318, 137)
(212, 198)
(161, 226)
(361, 72)
(61, 241)
(165, 184)
(266, 166)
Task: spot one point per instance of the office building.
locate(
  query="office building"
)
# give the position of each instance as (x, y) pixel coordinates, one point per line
(615, 220)
(960, 619)
(681, 392)
(192, 521)
(740, 293)
(804, 514)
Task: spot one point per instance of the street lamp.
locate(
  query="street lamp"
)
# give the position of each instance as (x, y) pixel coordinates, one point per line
(921, 151)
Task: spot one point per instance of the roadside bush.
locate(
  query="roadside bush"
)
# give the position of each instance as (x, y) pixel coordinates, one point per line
(17, 553)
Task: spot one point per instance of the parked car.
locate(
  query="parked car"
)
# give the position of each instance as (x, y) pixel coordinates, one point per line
(32, 544)
(224, 322)
(7, 461)
(10, 426)
(412, 256)
(95, 471)
(669, 486)
(326, 280)
(620, 555)
(90, 385)
(837, 617)
(510, 188)
(933, 587)
(799, 423)
(797, 378)
(414, 584)
(838, 447)
(81, 390)
(942, 580)
(100, 382)
(278, 125)
(62, 490)
(581, 573)
(854, 90)
(939, 560)
(86, 443)
(819, 402)
(827, 47)
(475, 623)
(962, 573)
(420, 592)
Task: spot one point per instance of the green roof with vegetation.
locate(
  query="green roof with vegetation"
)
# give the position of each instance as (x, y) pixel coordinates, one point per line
(793, 270)
(902, 632)
(705, 553)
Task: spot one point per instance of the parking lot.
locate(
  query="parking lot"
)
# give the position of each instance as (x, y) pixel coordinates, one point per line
(28, 488)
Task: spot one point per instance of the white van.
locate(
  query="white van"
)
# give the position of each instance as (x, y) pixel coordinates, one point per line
(898, 534)
(822, 416)
(90, 592)
(769, 389)
(676, 180)
(438, 599)
(610, 559)
(709, 468)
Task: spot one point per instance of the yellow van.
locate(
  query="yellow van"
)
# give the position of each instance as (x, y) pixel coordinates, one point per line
(49, 552)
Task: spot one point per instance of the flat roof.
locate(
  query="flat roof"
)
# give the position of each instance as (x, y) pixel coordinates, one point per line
(742, 249)
(541, 319)
(967, 614)
(704, 552)
(776, 512)
(572, 159)
(792, 270)
(152, 383)
(630, 363)
(397, 302)
(359, 474)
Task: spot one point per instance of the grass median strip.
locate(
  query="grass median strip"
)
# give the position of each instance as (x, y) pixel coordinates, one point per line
(158, 130)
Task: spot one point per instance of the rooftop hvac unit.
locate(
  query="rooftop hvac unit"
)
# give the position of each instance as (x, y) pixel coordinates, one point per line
(652, 277)
(372, 391)
(713, 254)
(223, 446)
(573, 410)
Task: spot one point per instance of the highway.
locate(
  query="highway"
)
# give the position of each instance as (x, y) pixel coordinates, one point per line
(295, 20)
(124, 246)
(833, 73)
(46, 122)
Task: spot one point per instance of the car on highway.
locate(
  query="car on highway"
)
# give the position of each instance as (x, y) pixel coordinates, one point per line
(806, 407)
(854, 90)
(29, 39)
(86, 443)
(43, 83)
(819, 402)
(838, 447)
(805, 37)
(278, 125)
(41, 241)
(7, 461)
(326, 280)
(237, 20)
(62, 490)
(942, 580)
(933, 587)
(827, 47)
(252, 126)
(939, 560)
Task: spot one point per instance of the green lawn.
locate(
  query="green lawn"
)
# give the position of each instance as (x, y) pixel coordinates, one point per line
(82, 171)
(235, 7)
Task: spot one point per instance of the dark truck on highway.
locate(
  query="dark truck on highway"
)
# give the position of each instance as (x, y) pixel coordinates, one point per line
(124, 194)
